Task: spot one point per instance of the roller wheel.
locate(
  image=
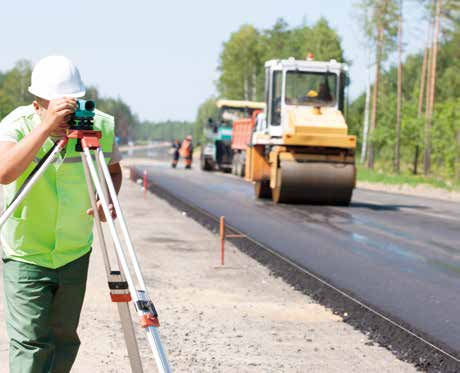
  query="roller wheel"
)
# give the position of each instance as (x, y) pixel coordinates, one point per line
(262, 189)
(314, 183)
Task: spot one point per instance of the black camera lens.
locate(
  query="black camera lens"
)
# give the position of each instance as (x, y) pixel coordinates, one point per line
(90, 105)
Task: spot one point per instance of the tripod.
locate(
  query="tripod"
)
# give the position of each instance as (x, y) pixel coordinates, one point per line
(124, 287)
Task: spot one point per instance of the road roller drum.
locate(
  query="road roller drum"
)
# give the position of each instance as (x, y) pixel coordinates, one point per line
(314, 182)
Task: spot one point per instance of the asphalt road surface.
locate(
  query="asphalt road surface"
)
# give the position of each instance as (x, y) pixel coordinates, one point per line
(398, 253)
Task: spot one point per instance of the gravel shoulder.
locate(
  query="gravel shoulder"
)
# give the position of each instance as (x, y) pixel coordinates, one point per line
(224, 319)
(420, 190)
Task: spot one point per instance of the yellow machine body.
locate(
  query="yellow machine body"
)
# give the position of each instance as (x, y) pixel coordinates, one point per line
(308, 157)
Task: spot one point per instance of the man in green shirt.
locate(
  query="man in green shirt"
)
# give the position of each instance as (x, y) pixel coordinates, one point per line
(46, 242)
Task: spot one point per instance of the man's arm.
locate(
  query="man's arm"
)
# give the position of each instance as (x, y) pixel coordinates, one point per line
(16, 157)
(117, 178)
(117, 175)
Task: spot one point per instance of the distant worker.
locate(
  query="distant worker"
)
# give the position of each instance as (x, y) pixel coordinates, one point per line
(186, 151)
(175, 153)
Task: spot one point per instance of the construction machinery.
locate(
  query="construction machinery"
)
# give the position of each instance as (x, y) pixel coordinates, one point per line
(216, 153)
(302, 152)
(241, 138)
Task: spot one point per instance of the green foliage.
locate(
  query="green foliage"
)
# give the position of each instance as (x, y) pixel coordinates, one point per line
(127, 123)
(446, 136)
(164, 131)
(381, 176)
(375, 14)
(446, 121)
(13, 87)
(14, 93)
(245, 53)
(244, 46)
(206, 110)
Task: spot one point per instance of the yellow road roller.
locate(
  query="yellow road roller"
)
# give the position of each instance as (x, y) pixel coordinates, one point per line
(301, 151)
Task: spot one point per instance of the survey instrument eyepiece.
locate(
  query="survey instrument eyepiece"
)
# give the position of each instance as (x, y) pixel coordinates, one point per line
(83, 117)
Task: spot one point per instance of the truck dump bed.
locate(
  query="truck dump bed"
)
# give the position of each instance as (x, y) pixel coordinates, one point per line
(242, 131)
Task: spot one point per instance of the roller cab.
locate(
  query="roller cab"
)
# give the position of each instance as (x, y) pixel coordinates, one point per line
(301, 152)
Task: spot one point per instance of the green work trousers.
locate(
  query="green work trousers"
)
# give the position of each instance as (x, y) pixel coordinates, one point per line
(43, 309)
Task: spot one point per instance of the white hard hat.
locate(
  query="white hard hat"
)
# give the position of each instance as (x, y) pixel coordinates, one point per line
(55, 77)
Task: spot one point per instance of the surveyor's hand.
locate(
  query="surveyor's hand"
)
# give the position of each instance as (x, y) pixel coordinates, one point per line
(101, 211)
(57, 115)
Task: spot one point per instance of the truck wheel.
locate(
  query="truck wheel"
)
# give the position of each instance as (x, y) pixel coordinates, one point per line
(241, 167)
(234, 165)
(204, 164)
(242, 161)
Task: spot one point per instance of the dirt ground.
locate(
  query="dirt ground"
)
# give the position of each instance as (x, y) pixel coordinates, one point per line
(214, 319)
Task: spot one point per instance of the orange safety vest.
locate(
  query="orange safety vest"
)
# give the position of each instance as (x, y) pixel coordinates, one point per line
(185, 149)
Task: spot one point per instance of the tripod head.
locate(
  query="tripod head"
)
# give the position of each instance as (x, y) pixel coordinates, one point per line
(82, 123)
(83, 117)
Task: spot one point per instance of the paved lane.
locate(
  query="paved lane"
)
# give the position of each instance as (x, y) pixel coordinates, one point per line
(398, 253)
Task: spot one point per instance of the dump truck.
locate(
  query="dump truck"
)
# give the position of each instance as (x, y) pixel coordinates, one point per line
(216, 152)
(241, 138)
(302, 152)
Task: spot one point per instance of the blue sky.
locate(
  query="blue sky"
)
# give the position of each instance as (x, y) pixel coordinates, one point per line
(161, 57)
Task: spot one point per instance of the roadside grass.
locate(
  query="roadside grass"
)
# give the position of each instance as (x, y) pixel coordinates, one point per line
(387, 177)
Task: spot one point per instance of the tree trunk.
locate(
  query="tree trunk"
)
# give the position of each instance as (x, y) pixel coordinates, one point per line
(373, 124)
(422, 83)
(421, 95)
(254, 84)
(397, 164)
(366, 119)
(430, 108)
(246, 87)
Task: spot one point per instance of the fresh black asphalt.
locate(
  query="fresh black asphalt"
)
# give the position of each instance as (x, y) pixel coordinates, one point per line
(399, 254)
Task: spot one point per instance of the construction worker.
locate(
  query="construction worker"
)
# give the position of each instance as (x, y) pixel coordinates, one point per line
(47, 241)
(186, 151)
(324, 92)
(175, 150)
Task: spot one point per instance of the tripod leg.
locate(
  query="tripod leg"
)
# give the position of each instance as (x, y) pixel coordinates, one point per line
(130, 337)
(97, 220)
(31, 182)
(144, 305)
(122, 306)
(101, 163)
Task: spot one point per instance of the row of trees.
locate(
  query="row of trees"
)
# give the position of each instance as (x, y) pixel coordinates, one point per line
(166, 131)
(411, 110)
(14, 93)
(241, 63)
(414, 103)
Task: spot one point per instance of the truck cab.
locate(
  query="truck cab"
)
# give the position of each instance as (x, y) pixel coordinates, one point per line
(217, 152)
